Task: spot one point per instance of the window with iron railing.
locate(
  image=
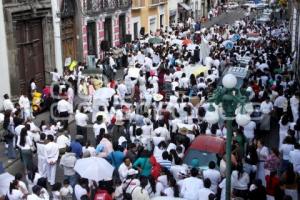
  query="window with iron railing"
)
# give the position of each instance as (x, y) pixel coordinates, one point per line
(154, 2)
(138, 3)
(96, 7)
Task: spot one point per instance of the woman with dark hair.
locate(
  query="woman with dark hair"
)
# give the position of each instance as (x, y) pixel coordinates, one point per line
(257, 191)
(32, 177)
(240, 181)
(173, 189)
(14, 192)
(42, 182)
(9, 134)
(273, 160)
(284, 126)
(139, 192)
(25, 144)
(143, 164)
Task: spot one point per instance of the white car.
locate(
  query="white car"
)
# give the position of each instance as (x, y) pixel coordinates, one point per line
(261, 5)
(231, 5)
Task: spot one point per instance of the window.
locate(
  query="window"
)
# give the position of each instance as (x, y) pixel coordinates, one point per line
(91, 38)
(161, 21)
(122, 25)
(153, 25)
(108, 31)
(136, 30)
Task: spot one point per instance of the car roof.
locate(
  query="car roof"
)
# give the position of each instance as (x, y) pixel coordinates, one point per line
(209, 143)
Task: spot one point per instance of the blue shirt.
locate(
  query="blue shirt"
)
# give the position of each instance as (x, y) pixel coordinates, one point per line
(116, 158)
(76, 148)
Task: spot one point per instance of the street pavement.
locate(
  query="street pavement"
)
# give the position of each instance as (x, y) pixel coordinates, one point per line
(225, 18)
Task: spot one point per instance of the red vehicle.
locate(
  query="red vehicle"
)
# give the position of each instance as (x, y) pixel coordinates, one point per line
(205, 148)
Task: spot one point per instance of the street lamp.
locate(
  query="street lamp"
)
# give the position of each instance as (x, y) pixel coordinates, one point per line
(233, 104)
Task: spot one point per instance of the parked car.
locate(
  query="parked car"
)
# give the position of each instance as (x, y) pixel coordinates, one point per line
(205, 148)
(231, 5)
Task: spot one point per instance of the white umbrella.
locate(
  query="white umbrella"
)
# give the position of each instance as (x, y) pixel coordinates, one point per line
(133, 72)
(5, 180)
(104, 93)
(94, 168)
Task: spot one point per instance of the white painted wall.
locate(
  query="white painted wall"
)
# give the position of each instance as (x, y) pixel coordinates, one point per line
(4, 67)
(57, 36)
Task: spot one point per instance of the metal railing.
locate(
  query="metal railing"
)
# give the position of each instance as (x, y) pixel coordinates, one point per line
(97, 7)
(138, 4)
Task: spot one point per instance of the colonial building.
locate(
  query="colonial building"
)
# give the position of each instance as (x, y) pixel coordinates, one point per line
(294, 8)
(148, 15)
(26, 30)
(103, 20)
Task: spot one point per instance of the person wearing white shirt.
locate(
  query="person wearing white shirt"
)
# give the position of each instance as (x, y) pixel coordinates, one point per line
(25, 106)
(99, 125)
(162, 131)
(7, 104)
(63, 141)
(205, 192)
(70, 94)
(14, 192)
(81, 123)
(41, 155)
(294, 101)
(184, 81)
(191, 185)
(25, 144)
(284, 126)
(79, 189)
(294, 158)
(285, 150)
(64, 109)
(249, 130)
(213, 175)
(55, 76)
(52, 153)
(36, 192)
(147, 129)
(239, 182)
(280, 104)
(266, 108)
(124, 168)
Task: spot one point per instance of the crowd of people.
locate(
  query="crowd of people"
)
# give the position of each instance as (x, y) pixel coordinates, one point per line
(142, 130)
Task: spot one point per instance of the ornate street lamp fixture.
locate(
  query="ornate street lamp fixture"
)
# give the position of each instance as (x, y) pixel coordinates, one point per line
(232, 102)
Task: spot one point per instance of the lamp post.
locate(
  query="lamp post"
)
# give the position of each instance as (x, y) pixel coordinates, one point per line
(230, 99)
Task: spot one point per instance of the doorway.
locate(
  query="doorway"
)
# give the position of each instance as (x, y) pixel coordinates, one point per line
(91, 38)
(108, 31)
(122, 25)
(30, 54)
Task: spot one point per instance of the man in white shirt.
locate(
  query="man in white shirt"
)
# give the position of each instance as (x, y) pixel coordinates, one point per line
(98, 125)
(55, 76)
(295, 158)
(81, 123)
(25, 106)
(7, 104)
(52, 153)
(294, 101)
(213, 175)
(63, 141)
(41, 155)
(191, 186)
(64, 109)
(249, 130)
(162, 131)
(280, 104)
(205, 192)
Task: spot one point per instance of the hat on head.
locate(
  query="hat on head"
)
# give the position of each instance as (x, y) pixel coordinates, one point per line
(157, 97)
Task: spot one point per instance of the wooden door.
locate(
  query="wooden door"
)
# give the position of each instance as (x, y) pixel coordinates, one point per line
(68, 38)
(30, 53)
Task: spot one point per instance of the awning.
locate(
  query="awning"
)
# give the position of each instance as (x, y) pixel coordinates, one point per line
(185, 6)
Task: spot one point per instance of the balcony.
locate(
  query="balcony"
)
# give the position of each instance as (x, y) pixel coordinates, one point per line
(97, 7)
(137, 4)
(154, 2)
(163, 1)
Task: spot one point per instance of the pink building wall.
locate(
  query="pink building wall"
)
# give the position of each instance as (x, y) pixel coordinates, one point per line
(100, 33)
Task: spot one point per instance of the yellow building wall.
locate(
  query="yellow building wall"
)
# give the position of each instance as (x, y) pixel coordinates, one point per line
(147, 11)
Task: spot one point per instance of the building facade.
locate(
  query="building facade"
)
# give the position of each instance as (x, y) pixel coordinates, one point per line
(294, 7)
(103, 23)
(28, 47)
(148, 16)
